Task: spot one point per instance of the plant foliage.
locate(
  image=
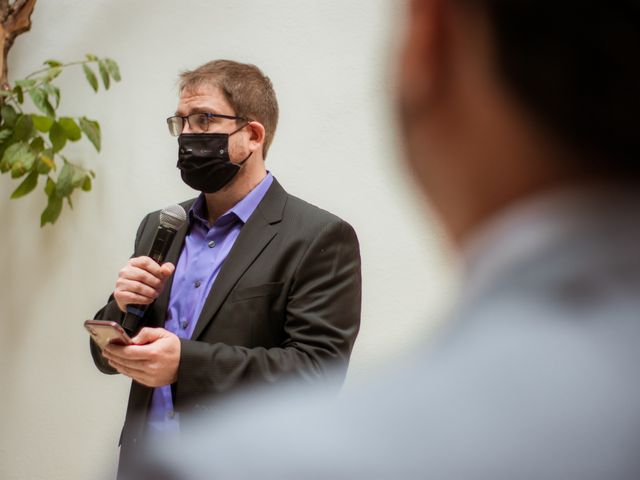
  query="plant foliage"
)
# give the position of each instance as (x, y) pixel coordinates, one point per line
(31, 144)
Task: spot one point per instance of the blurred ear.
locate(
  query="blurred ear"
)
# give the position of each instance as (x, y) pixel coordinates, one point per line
(424, 53)
(257, 136)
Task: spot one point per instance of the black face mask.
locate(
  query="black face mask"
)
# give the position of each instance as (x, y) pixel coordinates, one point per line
(203, 160)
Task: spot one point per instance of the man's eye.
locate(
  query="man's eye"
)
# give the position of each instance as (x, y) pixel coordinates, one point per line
(200, 120)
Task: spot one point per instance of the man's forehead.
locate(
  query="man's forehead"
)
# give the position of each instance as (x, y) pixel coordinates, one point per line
(203, 98)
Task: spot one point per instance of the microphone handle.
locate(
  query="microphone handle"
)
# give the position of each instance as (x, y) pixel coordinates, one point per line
(131, 323)
(161, 244)
(158, 252)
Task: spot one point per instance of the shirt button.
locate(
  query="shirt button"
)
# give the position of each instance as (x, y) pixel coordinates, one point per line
(184, 324)
(212, 244)
(171, 414)
(196, 283)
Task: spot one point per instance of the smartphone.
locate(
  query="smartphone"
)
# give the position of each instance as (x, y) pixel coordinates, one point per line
(104, 332)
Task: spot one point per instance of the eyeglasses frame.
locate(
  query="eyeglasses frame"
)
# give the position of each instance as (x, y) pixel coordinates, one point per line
(185, 118)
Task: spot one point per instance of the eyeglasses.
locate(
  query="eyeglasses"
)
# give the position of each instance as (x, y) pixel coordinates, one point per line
(198, 122)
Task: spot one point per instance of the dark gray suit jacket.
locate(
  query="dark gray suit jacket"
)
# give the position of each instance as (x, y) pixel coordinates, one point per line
(285, 304)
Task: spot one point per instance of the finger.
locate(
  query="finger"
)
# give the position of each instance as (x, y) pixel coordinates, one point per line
(167, 269)
(132, 353)
(122, 353)
(126, 369)
(126, 298)
(139, 375)
(130, 297)
(146, 263)
(131, 365)
(137, 274)
(147, 335)
(138, 288)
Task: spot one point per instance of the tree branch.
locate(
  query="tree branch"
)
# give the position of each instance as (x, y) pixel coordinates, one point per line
(19, 20)
(4, 10)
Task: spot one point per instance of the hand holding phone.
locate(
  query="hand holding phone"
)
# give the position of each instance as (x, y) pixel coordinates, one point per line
(104, 332)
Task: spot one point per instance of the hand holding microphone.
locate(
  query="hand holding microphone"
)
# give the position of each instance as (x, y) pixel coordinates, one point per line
(143, 278)
(140, 281)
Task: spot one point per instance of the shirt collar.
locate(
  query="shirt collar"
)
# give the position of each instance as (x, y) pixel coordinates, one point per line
(241, 210)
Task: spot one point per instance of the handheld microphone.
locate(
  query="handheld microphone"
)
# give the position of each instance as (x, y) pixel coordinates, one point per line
(171, 219)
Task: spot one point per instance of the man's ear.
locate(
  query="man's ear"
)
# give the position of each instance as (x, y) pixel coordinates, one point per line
(257, 135)
(423, 58)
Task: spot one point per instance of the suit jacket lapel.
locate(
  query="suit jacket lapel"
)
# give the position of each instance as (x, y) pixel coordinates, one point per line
(254, 237)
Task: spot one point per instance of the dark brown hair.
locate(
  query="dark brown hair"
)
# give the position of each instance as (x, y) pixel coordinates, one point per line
(574, 65)
(248, 91)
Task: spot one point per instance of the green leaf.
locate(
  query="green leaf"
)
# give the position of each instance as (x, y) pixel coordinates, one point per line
(20, 156)
(102, 68)
(52, 91)
(52, 212)
(86, 184)
(53, 73)
(50, 187)
(24, 128)
(37, 145)
(78, 177)
(19, 94)
(26, 83)
(113, 69)
(42, 168)
(57, 137)
(91, 129)
(71, 129)
(18, 170)
(91, 77)
(5, 134)
(42, 123)
(40, 100)
(64, 185)
(8, 115)
(46, 158)
(91, 57)
(21, 161)
(52, 63)
(27, 185)
(45, 162)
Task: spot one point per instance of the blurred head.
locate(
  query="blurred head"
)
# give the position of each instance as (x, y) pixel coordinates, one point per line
(500, 99)
(243, 87)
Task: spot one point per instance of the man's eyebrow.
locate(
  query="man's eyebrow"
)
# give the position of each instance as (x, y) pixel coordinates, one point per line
(196, 110)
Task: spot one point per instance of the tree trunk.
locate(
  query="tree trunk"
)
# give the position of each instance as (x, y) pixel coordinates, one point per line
(4, 85)
(15, 18)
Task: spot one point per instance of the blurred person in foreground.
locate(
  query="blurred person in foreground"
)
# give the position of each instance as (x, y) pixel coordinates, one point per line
(259, 286)
(520, 125)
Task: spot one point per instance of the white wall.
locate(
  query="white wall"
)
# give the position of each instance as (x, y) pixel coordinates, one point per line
(330, 62)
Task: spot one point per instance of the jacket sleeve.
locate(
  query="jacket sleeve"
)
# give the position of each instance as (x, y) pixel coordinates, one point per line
(111, 311)
(321, 323)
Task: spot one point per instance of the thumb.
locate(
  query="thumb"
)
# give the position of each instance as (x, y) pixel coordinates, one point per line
(146, 335)
(167, 269)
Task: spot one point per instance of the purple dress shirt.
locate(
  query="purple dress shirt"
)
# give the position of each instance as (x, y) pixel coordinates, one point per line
(205, 249)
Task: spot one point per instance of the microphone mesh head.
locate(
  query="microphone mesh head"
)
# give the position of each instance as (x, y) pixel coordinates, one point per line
(173, 217)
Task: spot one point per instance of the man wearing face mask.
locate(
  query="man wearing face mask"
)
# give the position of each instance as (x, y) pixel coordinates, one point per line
(265, 286)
